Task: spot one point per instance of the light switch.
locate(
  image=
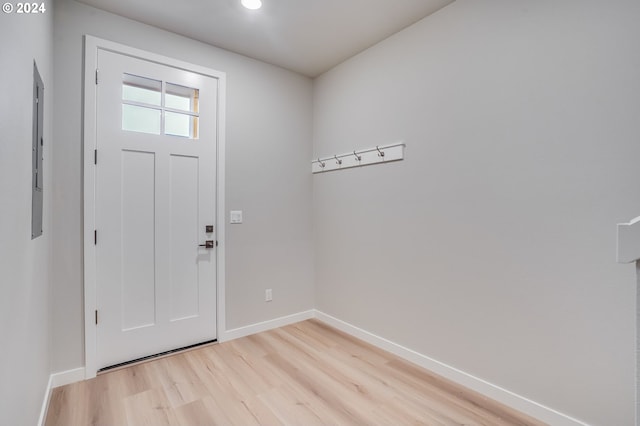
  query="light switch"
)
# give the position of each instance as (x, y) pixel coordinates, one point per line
(235, 216)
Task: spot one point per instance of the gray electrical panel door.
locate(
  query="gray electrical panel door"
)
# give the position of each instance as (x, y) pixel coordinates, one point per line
(37, 156)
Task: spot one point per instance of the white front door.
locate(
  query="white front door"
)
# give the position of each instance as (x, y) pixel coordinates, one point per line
(155, 198)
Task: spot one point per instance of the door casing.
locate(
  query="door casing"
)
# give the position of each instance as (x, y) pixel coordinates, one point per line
(92, 46)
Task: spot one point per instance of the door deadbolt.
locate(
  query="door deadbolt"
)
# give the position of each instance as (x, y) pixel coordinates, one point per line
(208, 229)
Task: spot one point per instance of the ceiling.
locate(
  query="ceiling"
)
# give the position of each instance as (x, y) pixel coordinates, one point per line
(306, 36)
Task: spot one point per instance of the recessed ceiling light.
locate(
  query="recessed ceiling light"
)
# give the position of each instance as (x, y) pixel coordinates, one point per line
(252, 4)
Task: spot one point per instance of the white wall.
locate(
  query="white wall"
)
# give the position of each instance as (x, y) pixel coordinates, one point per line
(268, 145)
(492, 246)
(496, 236)
(25, 264)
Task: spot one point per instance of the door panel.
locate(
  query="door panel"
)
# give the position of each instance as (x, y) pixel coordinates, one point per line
(184, 236)
(155, 193)
(138, 259)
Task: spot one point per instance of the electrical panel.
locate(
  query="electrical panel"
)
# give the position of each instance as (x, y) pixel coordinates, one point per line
(37, 145)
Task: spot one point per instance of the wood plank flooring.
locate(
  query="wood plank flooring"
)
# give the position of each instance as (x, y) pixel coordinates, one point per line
(303, 374)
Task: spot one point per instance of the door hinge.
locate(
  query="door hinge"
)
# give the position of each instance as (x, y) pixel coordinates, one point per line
(95, 237)
(96, 317)
(216, 243)
(96, 75)
(95, 156)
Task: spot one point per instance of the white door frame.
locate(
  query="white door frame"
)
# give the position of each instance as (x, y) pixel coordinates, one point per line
(92, 46)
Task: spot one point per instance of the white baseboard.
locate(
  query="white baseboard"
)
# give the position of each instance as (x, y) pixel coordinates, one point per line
(67, 377)
(45, 402)
(490, 390)
(56, 380)
(265, 325)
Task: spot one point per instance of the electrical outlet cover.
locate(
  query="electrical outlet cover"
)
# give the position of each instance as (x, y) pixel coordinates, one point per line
(235, 216)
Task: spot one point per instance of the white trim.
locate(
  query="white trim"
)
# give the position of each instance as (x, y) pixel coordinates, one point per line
(220, 204)
(56, 380)
(67, 377)
(45, 402)
(628, 246)
(88, 180)
(259, 327)
(91, 46)
(490, 390)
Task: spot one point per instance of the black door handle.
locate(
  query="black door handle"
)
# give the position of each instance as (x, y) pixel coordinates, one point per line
(208, 244)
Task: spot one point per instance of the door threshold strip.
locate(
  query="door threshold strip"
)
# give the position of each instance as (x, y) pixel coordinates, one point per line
(153, 357)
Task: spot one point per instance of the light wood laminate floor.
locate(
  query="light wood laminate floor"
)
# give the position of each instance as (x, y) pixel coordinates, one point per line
(303, 374)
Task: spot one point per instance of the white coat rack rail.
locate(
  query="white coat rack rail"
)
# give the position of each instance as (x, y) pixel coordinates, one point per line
(358, 158)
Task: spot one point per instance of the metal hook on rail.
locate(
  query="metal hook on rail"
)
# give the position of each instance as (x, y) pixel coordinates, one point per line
(322, 165)
(358, 157)
(380, 153)
(338, 161)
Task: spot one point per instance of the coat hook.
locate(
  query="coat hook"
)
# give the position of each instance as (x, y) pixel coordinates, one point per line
(321, 163)
(358, 157)
(338, 161)
(380, 153)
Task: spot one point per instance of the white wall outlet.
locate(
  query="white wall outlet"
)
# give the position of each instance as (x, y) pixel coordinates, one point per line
(235, 216)
(268, 295)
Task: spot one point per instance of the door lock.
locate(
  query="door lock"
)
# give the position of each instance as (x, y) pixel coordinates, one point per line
(208, 244)
(208, 229)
